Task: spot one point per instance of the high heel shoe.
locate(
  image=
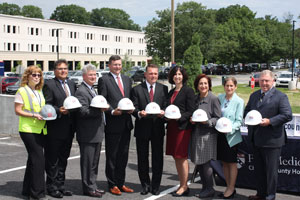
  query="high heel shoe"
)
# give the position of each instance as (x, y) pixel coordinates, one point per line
(185, 193)
(230, 196)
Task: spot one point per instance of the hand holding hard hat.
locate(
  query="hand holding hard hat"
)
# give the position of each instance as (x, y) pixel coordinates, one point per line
(99, 101)
(71, 103)
(224, 125)
(125, 105)
(48, 112)
(172, 112)
(199, 115)
(253, 118)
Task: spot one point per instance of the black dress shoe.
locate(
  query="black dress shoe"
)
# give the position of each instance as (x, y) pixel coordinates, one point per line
(230, 196)
(56, 194)
(93, 194)
(155, 191)
(66, 192)
(185, 193)
(100, 191)
(145, 190)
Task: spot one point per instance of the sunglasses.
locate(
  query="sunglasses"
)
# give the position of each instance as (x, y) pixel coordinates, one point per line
(36, 75)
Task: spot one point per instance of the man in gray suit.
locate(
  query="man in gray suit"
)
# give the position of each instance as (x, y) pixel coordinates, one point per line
(89, 132)
(269, 136)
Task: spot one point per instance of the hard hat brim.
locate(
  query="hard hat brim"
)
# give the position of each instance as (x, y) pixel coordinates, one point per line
(49, 118)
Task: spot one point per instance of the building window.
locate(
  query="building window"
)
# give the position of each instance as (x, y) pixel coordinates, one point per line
(71, 49)
(118, 38)
(75, 34)
(32, 47)
(36, 31)
(32, 31)
(14, 29)
(8, 46)
(75, 50)
(14, 46)
(8, 28)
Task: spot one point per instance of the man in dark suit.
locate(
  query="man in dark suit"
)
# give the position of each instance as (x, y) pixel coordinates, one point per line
(114, 87)
(149, 129)
(60, 131)
(89, 133)
(269, 136)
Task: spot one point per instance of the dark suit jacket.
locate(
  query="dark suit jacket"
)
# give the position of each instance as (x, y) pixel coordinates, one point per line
(146, 127)
(276, 107)
(185, 101)
(55, 96)
(90, 126)
(108, 88)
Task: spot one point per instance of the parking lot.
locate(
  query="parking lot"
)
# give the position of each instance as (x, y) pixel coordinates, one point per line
(13, 158)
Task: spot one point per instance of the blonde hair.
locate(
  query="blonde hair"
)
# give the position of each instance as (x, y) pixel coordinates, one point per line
(29, 70)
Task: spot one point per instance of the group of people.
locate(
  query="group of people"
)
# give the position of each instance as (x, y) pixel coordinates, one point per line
(48, 143)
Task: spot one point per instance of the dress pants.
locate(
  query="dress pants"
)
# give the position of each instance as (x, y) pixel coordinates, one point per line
(266, 163)
(57, 152)
(34, 178)
(116, 152)
(89, 162)
(142, 146)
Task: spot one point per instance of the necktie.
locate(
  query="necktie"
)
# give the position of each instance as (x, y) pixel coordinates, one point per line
(94, 92)
(66, 89)
(151, 93)
(120, 86)
(262, 97)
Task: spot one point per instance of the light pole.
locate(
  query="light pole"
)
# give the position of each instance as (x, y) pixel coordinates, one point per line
(57, 42)
(293, 47)
(173, 34)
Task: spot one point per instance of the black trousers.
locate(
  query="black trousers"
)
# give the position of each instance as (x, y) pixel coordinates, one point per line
(116, 152)
(142, 146)
(266, 163)
(34, 178)
(57, 152)
(89, 162)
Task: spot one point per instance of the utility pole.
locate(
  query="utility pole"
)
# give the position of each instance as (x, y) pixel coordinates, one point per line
(173, 34)
(57, 42)
(293, 47)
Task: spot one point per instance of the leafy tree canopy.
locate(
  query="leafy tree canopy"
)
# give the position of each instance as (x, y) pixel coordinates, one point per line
(10, 9)
(32, 11)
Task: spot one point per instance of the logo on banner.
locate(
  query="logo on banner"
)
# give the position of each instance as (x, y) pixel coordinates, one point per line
(240, 160)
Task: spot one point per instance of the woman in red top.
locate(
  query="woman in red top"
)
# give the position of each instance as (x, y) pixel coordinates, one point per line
(178, 131)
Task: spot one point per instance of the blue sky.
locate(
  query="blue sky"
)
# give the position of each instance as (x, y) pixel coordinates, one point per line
(143, 11)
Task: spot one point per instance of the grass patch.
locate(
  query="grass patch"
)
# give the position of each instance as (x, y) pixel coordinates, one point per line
(244, 91)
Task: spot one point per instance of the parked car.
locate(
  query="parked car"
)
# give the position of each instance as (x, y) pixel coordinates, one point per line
(12, 74)
(12, 89)
(163, 73)
(284, 78)
(77, 77)
(48, 75)
(256, 79)
(220, 70)
(137, 76)
(6, 81)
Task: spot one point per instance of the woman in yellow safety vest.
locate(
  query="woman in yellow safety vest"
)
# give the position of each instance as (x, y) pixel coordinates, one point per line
(28, 103)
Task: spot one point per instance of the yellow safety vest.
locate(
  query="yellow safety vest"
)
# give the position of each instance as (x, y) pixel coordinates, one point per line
(31, 105)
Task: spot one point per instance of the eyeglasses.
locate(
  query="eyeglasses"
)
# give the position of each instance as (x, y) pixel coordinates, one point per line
(36, 75)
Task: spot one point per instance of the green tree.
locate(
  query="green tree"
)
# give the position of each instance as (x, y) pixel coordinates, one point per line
(32, 11)
(126, 64)
(113, 18)
(10, 9)
(71, 13)
(156, 60)
(193, 59)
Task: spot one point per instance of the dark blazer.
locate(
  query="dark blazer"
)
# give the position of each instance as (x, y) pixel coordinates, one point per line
(55, 96)
(276, 107)
(146, 126)
(185, 101)
(108, 88)
(90, 126)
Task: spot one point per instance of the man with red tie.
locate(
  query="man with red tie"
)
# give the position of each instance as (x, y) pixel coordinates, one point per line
(149, 129)
(114, 86)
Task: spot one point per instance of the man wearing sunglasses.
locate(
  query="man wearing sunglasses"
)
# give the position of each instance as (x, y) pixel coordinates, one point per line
(60, 131)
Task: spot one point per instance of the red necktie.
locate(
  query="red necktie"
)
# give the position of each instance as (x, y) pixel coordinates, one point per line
(151, 93)
(120, 86)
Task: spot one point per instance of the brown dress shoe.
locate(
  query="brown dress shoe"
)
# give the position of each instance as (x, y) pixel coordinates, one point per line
(255, 197)
(126, 189)
(115, 190)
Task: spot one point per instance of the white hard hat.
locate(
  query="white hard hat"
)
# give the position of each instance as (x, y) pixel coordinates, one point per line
(48, 112)
(125, 104)
(99, 101)
(172, 112)
(253, 118)
(224, 125)
(199, 115)
(152, 108)
(71, 102)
